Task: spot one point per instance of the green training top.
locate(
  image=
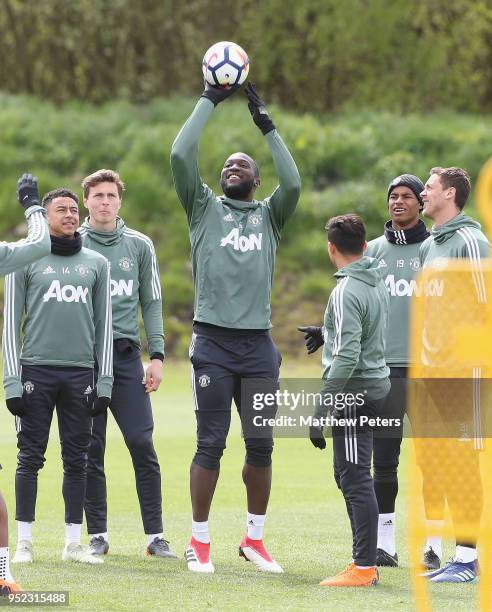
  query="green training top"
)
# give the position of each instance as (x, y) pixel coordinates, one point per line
(233, 243)
(134, 279)
(398, 254)
(461, 237)
(37, 244)
(66, 306)
(355, 331)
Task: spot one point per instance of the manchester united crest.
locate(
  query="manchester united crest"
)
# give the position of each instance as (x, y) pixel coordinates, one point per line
(126, 264)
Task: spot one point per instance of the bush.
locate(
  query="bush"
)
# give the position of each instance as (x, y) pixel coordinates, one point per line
(346, 163)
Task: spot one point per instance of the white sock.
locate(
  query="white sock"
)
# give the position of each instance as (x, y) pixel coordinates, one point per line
(103, 534)
(199, 531)
(386, 532)
(73, 532)
(152, 536)
(255, 524)
(466, 554)
(434, 541)
(24, 531)
(5, 565)
(365, 567)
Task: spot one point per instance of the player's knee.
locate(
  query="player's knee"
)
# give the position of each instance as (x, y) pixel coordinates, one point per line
(386, 473)
(354, 478)
(140, 444)
(259, 454)
(28, 463)
(76, 465)
(208, 457)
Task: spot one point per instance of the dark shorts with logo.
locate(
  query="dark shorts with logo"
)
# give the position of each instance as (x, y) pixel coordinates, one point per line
(221, 358)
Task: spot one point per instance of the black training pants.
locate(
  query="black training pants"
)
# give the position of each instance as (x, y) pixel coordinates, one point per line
(132, 411)
(387, 443)
(69, 390)
(352, 453)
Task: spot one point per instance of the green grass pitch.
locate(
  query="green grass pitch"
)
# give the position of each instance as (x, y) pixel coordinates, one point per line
(307, 529)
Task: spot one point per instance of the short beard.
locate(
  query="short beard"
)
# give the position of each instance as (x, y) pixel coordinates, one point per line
(239, 191)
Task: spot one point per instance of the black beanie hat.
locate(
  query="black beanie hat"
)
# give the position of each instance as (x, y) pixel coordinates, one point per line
(410, 181)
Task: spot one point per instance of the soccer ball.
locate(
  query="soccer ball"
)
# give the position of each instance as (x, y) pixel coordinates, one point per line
(225, 64)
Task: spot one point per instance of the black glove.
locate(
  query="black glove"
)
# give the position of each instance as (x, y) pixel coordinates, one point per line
(313, 337)
(27, 191)
(258, 109)
(16, 406)
(100, 405)
(317, 438)
(218, 94)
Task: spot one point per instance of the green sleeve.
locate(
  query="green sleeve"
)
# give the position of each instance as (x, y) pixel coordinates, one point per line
(346, 316)
(283, 200)
(103, 323)
(151, 298)
(424, 251)
(37, 244)
(192, 191)
(13, 309)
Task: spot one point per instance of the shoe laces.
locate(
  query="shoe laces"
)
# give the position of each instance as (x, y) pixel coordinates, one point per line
(98, 539)
(161, 543)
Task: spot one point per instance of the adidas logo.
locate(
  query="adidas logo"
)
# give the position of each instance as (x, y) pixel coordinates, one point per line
(390, 522)
(229, 217)
(49, 270)
(250, 522)
(382, 264)
(88, 391)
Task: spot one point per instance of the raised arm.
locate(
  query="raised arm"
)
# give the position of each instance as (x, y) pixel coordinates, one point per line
(191, 190)
(37, 244)
(283, 200)
(13, 309)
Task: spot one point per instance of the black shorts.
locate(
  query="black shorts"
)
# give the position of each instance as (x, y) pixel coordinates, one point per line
(220, 359)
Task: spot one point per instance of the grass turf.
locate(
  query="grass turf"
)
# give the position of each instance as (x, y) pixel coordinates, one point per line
(307, 529)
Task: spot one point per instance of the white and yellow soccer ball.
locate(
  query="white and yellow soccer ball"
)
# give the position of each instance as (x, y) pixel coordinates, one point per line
(225, 64)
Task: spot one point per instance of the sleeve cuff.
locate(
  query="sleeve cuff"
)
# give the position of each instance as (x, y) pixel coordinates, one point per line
(104, 386)
(32, 209)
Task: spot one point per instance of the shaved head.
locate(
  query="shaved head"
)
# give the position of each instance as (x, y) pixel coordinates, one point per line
(254, 165)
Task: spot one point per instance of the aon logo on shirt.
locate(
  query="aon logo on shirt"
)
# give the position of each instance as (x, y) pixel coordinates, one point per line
(66, 293)
(242, 243)
(404, 288)
(121, 287)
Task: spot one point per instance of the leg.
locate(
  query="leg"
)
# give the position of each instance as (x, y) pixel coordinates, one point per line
(4, 524)
(212, 385)
(387, 444)
(352, 447)
(260, 359)
(336, 472)
(132, 411)
(386, 455)
(202, 488)
(7, 584)
(32, 438)
(74, 425)
(213, 388)
(258, 481)
(96, 511)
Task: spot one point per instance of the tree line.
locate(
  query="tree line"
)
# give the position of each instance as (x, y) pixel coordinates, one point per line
(317, 55)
